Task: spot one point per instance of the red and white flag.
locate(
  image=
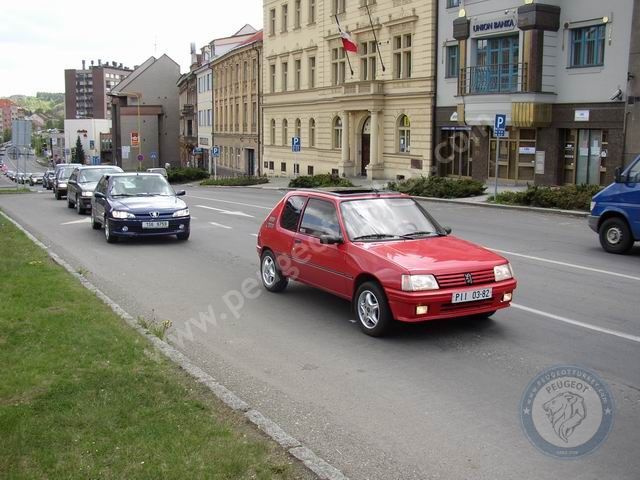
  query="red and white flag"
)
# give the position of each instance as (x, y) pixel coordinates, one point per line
(347, 42)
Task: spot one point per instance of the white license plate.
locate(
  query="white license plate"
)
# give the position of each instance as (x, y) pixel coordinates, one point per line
(155, 224)
(471, 295)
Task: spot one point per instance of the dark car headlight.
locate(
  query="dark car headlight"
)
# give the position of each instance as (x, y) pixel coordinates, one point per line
(181, 213)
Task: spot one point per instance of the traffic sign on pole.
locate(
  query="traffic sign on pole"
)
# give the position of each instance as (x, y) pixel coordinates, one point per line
(140, 157)
(215, 151)
(295, 144)
(500, 126)
(153, 155)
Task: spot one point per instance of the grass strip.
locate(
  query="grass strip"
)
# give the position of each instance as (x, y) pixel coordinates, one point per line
(84, 396)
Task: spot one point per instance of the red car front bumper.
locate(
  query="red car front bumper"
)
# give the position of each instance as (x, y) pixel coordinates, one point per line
(403, 304)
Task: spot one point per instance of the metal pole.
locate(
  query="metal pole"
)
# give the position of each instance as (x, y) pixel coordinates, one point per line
(460, 156)
(495, 190)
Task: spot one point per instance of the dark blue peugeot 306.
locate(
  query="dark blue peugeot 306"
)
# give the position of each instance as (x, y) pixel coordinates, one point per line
(138, 205)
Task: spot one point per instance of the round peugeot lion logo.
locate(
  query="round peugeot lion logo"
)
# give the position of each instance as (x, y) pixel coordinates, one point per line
(567, 411)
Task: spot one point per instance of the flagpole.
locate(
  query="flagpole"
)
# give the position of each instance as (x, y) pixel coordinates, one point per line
(366, 4)
(345, 51)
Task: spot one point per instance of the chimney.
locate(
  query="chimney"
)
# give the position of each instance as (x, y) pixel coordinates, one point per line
(120, 65)
(83, 64)
(99, 62)
(113, 64)
(92, 63)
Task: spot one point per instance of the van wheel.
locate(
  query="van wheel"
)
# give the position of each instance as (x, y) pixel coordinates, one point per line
(372, 310)
(272, 277)
(615, 236)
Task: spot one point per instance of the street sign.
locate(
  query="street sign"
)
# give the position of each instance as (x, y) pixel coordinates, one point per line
(500, 126)
(135, 139)
(295, 144)
(215, 151)
(140, 157)
(153, 155)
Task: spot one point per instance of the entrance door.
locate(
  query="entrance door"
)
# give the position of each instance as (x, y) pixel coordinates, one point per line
(365, 147)
(251, 162)
(588, 157)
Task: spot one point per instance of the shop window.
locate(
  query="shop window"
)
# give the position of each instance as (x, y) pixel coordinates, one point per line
(587, 46)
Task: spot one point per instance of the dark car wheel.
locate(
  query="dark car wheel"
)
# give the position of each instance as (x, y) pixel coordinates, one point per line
(372, 310)
(79, 208)
(108, 236)
(57, 194)
(272, 278)
(69, 203)
(615, 236)
(94, 223)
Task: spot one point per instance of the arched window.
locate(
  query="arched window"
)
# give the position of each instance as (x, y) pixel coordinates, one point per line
(312, 133)
(298, 128)
(337, 132)
(273, 131)
(285, 134)
(404, 134)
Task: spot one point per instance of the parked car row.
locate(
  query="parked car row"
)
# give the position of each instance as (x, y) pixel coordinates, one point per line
(24, 178)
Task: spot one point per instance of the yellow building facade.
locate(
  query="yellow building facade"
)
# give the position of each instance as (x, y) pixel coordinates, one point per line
(368, 113)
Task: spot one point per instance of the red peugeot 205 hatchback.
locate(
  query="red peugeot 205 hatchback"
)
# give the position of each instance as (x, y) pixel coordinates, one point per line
(384, 253)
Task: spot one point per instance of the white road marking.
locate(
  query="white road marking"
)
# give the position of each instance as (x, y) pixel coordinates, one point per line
(82, 220)
(254, 234)
(565, 264)
(220, 225)
(576, 323)
(234, 203)
(226, 212)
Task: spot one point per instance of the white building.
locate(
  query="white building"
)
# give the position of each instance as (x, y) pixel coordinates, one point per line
(88, 130)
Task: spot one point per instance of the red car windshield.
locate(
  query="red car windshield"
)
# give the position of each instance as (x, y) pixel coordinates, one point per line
(385, 218)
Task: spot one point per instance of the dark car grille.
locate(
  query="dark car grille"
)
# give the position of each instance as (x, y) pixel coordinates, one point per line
(161, 216)
(460, 307)
(453, 280)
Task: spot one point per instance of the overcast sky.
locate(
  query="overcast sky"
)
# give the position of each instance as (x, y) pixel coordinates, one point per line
(39, 39)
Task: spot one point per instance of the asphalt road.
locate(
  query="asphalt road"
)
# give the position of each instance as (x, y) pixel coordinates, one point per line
(23, 164)
(438, 400)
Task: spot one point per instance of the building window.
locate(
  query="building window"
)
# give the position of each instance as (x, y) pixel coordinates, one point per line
(338, 6)
(453, 3)
(209, 118)
(453, 63)
(312, 11)
(368, 61)
(402, 56)
(297, 68)
(297, 14)
(337, 133)
(298, 128)
(312, 133)
(254, 116)
(404, 134)
(245, 116)
(254, 69)
(338, 66)
(285, 76)
(285, 17)
(312, 72)
(587, 46)
(273, 132)
(272, 78)
(310, 170)
(285, 133)
(272, 21)
(283, 167)
(245, 71)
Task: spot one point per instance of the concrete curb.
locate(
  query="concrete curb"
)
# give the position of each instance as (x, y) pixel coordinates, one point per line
(555, 211)
(314, 463)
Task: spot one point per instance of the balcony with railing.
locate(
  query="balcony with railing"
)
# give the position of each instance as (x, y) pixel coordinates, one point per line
(494, 79)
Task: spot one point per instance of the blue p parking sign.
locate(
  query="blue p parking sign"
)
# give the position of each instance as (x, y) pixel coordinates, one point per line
(500, 126)
(295, 144)
(215, 151)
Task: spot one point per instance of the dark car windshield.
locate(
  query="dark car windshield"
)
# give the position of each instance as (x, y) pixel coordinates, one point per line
(65, 172)
(140, 185)
(94, 174)
(385, 218)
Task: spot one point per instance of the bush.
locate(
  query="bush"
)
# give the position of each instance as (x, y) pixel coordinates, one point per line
(439, 187)
(568, 197)
(235, 181)
(186, 174)
(322, 180)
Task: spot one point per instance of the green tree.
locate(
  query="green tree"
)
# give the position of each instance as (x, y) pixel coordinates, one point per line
(6, 135)
(78, 155)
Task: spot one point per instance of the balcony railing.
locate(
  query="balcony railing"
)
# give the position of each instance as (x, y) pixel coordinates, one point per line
(488, 79)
